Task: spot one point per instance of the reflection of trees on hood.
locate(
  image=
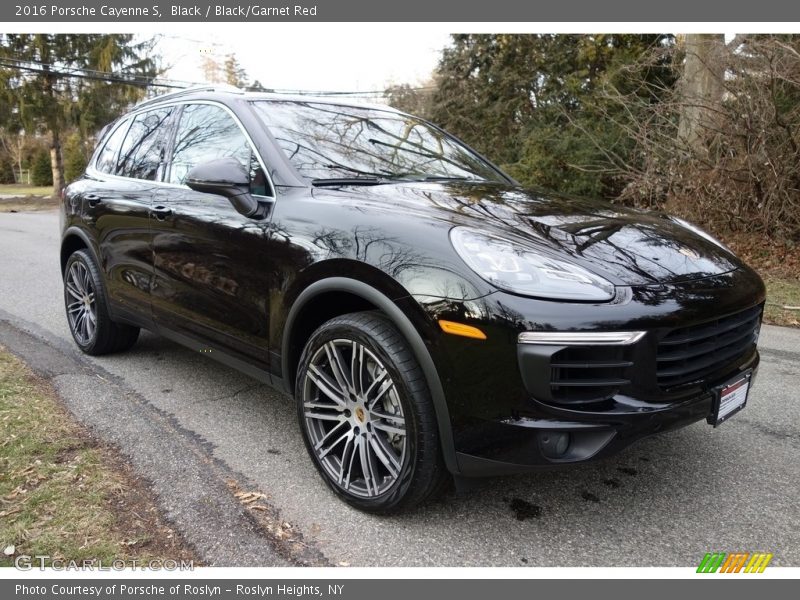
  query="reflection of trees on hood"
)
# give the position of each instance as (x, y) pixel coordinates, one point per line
(390, 255)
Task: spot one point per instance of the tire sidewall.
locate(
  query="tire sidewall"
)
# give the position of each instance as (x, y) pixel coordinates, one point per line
(393, 496)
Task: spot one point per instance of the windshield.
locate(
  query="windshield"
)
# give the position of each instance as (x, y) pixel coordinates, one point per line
(327, 141)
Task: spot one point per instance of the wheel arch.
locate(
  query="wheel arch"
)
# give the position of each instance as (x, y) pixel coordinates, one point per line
(376, 299)
(74, 239)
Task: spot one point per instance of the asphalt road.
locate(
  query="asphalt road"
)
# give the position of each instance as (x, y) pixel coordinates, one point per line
(190, 424)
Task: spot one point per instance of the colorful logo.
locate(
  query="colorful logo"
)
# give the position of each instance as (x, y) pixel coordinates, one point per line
(734, 562)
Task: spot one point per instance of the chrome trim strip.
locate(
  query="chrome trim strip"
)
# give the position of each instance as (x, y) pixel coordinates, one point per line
(573, 338)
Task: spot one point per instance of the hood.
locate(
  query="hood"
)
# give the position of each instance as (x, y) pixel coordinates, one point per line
(626, 246)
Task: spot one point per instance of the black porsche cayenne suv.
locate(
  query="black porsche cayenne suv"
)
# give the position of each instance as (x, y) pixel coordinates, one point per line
(430, 317)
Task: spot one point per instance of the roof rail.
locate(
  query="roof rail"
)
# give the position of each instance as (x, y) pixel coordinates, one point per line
(213, 87)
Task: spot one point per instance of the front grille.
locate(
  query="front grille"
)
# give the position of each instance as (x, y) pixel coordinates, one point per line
(689, 354)
(581, 374)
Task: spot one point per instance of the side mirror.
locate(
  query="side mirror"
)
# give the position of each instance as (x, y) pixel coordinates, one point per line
(226, 177)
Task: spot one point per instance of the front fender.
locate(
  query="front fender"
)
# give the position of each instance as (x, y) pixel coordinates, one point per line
(406, 328)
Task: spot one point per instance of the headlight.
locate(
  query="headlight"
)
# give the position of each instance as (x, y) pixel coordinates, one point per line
(513, 268)
(703, 234)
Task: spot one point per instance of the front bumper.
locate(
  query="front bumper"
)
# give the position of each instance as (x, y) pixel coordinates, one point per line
(508, 415)
(522, 444)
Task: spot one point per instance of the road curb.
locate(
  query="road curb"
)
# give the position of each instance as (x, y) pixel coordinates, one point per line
(192, 487)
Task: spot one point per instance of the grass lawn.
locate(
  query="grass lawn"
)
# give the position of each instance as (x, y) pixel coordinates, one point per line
(62, 494)
(25, 190)
(783, 301)
(20, 198)
(27, 204)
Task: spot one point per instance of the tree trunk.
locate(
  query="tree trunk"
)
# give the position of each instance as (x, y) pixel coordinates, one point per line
(56, 163)
(700, 88)
(54, 125)
(19, 157)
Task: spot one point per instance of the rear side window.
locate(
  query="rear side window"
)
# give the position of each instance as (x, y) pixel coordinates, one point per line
(206, 132)
(107, 159)
(141, 153)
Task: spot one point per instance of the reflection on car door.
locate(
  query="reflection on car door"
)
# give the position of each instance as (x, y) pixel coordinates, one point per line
(118, 206)
(210, 269)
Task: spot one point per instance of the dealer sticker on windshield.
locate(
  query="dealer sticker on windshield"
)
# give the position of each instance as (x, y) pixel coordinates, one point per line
(731, 398)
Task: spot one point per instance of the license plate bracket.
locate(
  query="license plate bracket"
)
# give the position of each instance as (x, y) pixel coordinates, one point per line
(730, 397)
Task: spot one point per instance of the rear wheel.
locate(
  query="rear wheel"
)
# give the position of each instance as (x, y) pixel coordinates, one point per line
(366, 415)
(87, 312)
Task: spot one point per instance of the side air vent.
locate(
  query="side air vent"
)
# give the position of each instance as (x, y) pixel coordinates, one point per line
(581, 374)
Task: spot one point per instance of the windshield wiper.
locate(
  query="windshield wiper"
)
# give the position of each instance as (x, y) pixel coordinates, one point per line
(400, 178)
(446, 178)
(337, 181)
(440, 178)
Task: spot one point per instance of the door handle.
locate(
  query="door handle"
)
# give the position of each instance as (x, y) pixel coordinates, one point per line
(93, 199)
(161, 212)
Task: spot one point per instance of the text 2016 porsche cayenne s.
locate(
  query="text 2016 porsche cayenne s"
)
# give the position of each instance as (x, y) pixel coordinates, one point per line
(429, 316)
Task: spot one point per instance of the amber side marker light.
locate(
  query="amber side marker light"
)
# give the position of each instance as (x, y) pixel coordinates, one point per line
(454, 328)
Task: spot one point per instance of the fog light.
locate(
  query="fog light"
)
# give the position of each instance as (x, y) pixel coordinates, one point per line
(554, 444)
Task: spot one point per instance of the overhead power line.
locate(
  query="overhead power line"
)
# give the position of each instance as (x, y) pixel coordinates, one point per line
(57, 72)
(150, 82)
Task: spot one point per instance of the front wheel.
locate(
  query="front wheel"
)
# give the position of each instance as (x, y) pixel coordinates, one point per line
(366, 415)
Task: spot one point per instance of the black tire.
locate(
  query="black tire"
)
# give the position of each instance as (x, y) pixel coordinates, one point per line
(95, 333)
(422, 472)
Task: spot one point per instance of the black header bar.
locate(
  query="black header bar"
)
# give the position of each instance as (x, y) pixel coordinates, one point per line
(454, 11)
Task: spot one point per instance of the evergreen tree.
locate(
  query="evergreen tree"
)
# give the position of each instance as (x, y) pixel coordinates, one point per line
(410, 99)
(537, 105)
(6, 170)
(75, 157)
(41, 173)
(39, 89)
(234, 72)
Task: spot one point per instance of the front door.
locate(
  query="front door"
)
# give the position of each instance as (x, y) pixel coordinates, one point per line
(211, 268)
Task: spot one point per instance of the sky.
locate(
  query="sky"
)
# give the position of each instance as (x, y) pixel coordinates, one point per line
(311, 58)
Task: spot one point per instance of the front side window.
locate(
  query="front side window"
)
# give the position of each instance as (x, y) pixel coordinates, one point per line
(141, 153)
(107, 159)
(328, 141)
(206, 132)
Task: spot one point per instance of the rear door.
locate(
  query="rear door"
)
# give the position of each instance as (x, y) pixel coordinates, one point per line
(117, 206)
(212, 269)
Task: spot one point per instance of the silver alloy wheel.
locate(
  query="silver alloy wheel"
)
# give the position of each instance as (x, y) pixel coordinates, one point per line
(81, 304)
(354, 418)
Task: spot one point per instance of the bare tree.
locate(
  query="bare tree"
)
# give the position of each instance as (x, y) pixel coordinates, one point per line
(212, 68)
(14, 144)
(700, 87)
(723, 151)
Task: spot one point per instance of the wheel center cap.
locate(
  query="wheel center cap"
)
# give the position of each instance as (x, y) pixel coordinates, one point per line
(361, 415)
